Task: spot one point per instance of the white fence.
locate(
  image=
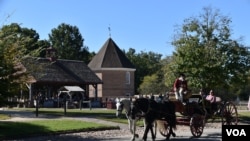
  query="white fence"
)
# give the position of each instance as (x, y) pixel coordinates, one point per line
(242, 105)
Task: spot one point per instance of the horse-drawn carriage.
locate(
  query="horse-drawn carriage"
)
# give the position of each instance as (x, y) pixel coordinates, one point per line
(194, 114)
(198, 111)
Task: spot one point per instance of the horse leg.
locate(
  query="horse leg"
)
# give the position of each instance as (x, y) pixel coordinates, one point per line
(172, 126)
(171, 132)
(132, 128)
(155, 127)
(130, 125)
(144, 122)
(146, 132)
(152, 132)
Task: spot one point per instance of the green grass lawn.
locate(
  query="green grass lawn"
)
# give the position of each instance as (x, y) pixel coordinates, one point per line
(244, 115)
(4, 117)
(57, 125)
(12, 130)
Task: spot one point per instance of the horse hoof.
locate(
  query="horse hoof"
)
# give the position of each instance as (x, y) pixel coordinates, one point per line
(136, 135)
(174, 135)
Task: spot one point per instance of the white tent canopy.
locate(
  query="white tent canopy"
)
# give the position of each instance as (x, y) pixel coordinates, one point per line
(70, 90)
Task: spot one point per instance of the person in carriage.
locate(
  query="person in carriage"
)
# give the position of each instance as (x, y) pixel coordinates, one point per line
(180, 88)
(212, 99)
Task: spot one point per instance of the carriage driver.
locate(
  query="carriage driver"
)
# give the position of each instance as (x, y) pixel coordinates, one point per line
(180, 87)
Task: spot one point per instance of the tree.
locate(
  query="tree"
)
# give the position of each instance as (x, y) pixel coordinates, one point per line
(15, 44)
(85, 55)
(153, 84)
(11, 53)
(146, 63)
(206, 53)
(68, 42)
(27, 38)
(43, 45)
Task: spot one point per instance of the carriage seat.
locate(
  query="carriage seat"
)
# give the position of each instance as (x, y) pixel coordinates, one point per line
(195, 98)
(171, 95)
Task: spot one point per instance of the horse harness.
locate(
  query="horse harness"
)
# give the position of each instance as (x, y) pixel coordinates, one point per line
(149, 109)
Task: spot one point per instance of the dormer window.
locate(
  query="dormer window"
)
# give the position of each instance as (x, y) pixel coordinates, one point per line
(127, 77)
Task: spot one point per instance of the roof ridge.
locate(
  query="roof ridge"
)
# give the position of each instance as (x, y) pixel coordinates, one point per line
(58, 63)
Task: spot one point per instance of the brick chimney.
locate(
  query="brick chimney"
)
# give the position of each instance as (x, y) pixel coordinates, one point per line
(51, 54)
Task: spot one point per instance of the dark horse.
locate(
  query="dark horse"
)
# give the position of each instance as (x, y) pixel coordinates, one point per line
(125, 104)
(152, 110)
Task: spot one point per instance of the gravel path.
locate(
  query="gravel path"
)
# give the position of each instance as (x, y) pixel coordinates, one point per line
(107, 135)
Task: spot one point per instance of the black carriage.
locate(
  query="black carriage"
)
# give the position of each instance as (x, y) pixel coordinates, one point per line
(197, 111)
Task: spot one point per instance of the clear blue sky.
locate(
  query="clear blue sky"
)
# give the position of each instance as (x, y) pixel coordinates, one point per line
(145, 25)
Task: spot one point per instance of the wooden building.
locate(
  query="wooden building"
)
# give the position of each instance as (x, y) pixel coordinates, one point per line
(109, 75)
(115, 70)
(48, 75)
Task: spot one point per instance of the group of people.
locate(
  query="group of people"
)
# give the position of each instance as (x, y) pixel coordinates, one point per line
(181, 89)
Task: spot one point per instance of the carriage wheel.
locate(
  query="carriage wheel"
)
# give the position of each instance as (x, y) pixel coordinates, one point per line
(163, 127)
(229, 114)
(197, 124)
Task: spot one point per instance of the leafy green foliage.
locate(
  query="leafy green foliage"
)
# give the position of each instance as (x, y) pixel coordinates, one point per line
(207, 55)
(146, 63)
(68, 42)
(152, 84)
(15, 44)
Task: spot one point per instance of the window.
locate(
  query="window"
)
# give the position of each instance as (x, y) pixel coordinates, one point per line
(127, 77)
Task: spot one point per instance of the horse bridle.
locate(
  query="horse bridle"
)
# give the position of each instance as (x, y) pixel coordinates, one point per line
(120, 108)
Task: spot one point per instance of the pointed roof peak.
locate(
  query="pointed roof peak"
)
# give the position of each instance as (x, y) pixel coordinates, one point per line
(110, 56)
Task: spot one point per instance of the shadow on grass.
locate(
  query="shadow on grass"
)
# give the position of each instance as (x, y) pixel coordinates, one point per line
(12, 130)
(15, 130)
(245, 119)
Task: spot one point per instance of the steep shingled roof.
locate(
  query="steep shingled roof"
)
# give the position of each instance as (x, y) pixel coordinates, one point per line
(60, 71)
(110, 56)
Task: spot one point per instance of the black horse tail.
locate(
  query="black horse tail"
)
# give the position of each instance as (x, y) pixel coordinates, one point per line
(173, 119)
(174, 122)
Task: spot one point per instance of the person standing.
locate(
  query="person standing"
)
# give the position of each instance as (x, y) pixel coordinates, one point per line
(202, 93)
(180, 87)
